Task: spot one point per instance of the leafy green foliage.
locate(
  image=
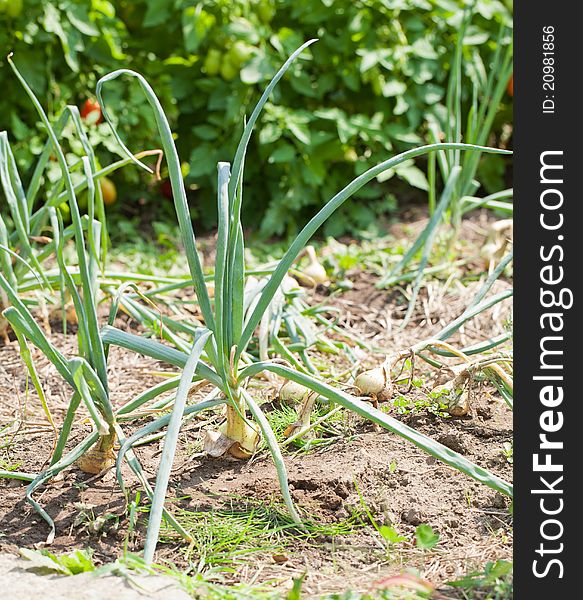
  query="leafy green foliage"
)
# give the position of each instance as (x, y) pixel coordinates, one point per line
(64, 42)
(72, 563)
(425, 537)
(363, 93)
(495, 579)
(391, 535)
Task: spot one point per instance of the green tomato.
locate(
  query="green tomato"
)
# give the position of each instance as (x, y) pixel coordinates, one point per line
(12, 8)
(83, 200)
(212, 62)
(239, 53)
(228, 70)
(265, 11)
(350, 155)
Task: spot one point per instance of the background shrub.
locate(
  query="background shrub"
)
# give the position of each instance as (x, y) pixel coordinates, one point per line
(363, 92)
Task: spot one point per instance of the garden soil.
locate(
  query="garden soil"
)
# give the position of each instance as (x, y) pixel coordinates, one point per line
(366, 468)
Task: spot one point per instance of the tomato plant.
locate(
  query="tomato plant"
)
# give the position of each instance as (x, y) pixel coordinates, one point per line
(362, 93)
(212, 62)
(11, 8)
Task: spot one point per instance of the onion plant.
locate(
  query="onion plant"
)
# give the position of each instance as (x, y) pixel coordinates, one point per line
(86, 372)
(456, 168)
(290, 327)
(497, 367)
(32, 240)
(219, 355)
(488, 85)
(27, 252)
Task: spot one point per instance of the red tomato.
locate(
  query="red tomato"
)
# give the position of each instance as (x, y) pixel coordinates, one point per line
(510, 86)
(166, 189)
(91, 111)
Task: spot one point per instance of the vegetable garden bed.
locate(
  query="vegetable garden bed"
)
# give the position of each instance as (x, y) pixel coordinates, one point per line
(350, 480)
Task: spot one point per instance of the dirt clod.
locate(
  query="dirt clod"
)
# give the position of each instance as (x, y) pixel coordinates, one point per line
(412, 516)
(453, 441)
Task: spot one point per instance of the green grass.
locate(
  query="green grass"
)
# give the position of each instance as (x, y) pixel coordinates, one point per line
(157, 254)
(327, 426)
(226, 536)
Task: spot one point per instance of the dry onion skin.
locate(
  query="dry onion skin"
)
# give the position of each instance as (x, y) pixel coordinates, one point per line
(96, 460)
(217, 443)
(455, 395)
(304, 414)
(499, 238)
(461, 406)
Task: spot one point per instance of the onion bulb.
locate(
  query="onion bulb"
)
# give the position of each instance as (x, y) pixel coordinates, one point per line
(461, 406)
(99, 457)
(218, 443)
(292, 393)
(374, 383)
(56, 313)
(245, 438)
(454, 395)
(314, 273)
(71, 313)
